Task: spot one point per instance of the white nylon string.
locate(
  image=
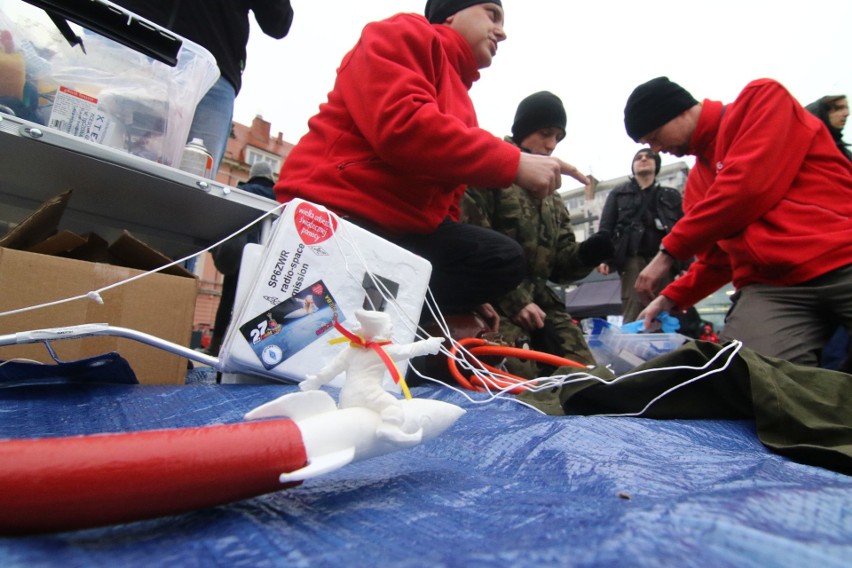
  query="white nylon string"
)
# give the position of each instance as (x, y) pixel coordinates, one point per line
(495, 383)
(95, 295)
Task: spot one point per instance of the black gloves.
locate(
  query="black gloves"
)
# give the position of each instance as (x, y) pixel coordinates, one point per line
(596, 249)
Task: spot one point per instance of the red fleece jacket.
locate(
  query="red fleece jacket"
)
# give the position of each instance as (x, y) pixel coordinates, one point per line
(768, 201)
(397, 141)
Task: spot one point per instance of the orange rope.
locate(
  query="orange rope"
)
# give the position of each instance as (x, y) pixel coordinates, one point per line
(500, 379)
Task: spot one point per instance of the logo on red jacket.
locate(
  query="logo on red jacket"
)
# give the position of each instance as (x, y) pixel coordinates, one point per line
(313, 224)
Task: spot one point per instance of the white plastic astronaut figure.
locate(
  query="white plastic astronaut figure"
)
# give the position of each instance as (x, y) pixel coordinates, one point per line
(365, 370)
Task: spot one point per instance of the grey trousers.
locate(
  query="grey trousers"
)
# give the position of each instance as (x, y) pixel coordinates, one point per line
(791, 322)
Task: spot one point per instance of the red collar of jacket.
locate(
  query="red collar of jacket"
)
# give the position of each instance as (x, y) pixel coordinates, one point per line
(703, 142)
(459, 53)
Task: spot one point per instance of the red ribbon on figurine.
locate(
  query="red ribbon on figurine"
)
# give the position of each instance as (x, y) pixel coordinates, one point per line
(376, 346)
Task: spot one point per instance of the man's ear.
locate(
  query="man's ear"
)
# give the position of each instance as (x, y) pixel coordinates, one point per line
(449, 19)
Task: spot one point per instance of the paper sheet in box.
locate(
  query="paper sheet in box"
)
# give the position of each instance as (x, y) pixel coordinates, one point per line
(317, 267)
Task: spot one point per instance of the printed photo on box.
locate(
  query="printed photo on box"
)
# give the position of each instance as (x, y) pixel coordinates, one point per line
(290, 326)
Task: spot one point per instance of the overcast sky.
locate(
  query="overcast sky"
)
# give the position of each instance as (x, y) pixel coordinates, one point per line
(590, 53)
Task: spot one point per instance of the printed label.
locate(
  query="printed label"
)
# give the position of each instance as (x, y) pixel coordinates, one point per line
(77, 114)
(290, 326)
(313, 224)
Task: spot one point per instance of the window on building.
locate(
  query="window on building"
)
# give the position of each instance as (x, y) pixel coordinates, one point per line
(253, 155)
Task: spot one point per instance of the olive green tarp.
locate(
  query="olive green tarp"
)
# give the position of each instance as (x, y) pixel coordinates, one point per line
(803, 413)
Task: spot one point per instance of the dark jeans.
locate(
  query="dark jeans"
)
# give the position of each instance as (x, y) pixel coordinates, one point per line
(224, 312)
(471, 265)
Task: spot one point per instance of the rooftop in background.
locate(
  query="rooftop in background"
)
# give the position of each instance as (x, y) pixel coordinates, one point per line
(248, 145)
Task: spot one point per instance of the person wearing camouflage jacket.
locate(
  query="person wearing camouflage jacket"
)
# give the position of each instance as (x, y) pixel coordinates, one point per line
(532, 313)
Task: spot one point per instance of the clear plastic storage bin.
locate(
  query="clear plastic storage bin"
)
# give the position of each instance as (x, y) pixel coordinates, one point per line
(624, 351)
(108, 94)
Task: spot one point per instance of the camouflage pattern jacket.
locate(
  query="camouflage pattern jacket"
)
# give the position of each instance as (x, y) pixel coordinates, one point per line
(542, 228)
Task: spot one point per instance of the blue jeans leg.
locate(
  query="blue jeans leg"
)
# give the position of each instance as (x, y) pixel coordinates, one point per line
(212, 120)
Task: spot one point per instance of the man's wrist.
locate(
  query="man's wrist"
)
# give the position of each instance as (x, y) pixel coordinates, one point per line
(666, 252)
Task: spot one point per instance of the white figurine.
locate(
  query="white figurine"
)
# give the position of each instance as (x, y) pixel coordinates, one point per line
(365, 369)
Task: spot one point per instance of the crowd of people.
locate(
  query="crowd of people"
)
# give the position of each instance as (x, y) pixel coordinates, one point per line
(397, 149)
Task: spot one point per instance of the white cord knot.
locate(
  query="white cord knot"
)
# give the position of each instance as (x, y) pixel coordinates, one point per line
(95, 296)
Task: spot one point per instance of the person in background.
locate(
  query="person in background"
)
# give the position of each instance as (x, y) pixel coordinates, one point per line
(532, 313)
(775, 218)
(397, 142)
(707, 334)
(636, 216)
(833, 110)
(228, 256)
(221, 27)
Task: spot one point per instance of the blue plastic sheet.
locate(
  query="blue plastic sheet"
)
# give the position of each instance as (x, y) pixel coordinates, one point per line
(107, 368)
(506, 486)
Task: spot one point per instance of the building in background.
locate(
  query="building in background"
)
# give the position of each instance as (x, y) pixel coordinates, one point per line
(247, 145)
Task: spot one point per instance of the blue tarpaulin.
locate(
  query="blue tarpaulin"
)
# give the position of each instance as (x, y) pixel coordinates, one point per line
(505, 486)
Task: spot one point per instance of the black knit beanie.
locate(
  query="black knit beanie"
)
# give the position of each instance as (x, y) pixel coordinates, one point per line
(437, 11)
(657, 160)
(537, 111)
(653, 104)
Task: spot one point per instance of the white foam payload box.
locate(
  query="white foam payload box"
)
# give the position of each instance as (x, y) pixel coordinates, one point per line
(316, 267)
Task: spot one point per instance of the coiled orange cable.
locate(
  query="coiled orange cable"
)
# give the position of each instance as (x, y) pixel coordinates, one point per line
(499, 379)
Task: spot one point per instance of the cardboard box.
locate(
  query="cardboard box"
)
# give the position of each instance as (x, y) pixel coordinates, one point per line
(160, 305)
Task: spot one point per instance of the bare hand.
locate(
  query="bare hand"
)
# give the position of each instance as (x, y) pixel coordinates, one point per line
(542, 175)
(649, 279)
(603, 268)
(531, 317)
(569, 170)
(490, 315)
(649, 314)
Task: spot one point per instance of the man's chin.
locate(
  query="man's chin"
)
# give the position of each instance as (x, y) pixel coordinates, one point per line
(677, 152)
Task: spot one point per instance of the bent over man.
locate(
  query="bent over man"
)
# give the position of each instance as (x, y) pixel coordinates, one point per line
(768, 205)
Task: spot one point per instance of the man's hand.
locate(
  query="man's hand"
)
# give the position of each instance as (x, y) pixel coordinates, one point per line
(530, 318)
(654, 309)
(649, 279)
(542, 175)
(603, 268)
(569, 170)
(490, 315)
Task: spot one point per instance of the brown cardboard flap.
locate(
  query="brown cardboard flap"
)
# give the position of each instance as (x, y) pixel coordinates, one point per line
(60, 244)
(129, 251)
(94, 249)
(39, 226)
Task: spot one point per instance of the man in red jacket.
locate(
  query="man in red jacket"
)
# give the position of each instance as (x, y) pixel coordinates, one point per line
(397, 143)
(768, 205)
